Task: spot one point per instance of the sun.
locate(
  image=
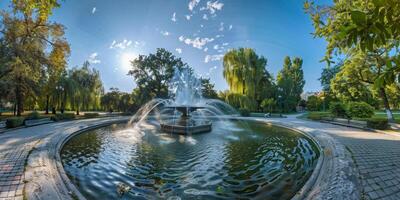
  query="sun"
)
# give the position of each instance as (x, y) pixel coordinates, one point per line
(126, 58)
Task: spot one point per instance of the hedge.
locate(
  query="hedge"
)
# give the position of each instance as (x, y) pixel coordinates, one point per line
(317, 115)
(360, 110)
(13, 122)
(338, 109)
(63, 116)
(380, 124)
(33, 115)
(91, 115)
(244, 112)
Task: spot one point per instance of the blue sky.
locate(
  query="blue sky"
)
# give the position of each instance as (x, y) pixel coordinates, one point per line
(109, 33)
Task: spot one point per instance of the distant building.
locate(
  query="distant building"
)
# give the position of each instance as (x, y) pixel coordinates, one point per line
(305, 95)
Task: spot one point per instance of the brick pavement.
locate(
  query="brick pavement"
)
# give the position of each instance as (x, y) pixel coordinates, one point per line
(12, 164)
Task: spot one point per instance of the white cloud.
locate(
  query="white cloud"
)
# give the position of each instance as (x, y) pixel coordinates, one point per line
(216, 47)
(93, 10)
(205, 17)
(221, 26)
(179, 50)
(165, 33)
(93, 58)
(213, 6)
(201, 25)
(196, 42)
(225, 44)
(192, 4)
(173, 17)
(206, 49)
(218, 36)
(230, 27)
(209, 58)
(122, 45)
(188, 17)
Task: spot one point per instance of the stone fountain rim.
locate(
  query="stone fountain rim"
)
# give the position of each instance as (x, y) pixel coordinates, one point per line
(301, 194)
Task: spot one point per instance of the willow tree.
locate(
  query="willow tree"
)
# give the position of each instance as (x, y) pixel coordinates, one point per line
(371, 27)
(246, 74)
(33, 45)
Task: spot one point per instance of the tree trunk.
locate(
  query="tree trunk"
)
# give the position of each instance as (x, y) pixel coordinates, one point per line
(20, 105)
(15, 108)
(47, 104)
(386, 104)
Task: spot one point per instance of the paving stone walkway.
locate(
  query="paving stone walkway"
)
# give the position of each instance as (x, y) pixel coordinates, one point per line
(12, 164)
(376, 155)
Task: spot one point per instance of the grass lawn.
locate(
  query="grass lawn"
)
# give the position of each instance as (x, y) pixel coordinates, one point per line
(377, 115)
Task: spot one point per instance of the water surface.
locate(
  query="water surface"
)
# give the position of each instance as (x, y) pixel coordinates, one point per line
(235, 160)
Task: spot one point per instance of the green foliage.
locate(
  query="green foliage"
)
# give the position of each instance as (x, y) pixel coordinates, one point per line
(13, 122)
(63, 116)
(207, 89)
(338, 109)
(241, 101)
(318, 115)
(114, 100)
(380, 124)
(91, 115)
(360, 110)
(32, 49)
(152, 73)
(367, 34)
(244, 112)
(268, 105)
(246, 74)
(290, 83)
(33, 115)
(314, 103)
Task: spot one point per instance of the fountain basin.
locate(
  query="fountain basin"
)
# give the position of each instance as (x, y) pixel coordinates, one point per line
(185, 124)
(178, 129)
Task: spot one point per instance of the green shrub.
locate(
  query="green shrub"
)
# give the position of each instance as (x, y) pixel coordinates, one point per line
(244, 112)
(375, 123)
(63, 116)
(91, 115)
(33, 115)
(13, 122)
(360, 110)
(338, 109)
(317, 115)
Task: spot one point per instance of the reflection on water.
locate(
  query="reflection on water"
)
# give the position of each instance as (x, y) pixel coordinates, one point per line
(265, 162)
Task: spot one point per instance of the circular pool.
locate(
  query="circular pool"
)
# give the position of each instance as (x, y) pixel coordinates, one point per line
(236, 159)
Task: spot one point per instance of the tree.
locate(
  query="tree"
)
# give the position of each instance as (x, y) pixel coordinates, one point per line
(314, 103)
(268, 105)
(87, 88)
(246, 74)
(368, 28)
(152, 74)
(290, 83)
(207, 89)
(28, 36)
(327, 74)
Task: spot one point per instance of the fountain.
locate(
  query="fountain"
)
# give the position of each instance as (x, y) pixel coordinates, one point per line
(186, 111)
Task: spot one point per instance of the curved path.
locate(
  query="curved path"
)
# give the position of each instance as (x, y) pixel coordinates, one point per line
(376, 156)
(358, 164)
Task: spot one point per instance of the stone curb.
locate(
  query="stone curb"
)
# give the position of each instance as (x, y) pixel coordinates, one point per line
(73, 191)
